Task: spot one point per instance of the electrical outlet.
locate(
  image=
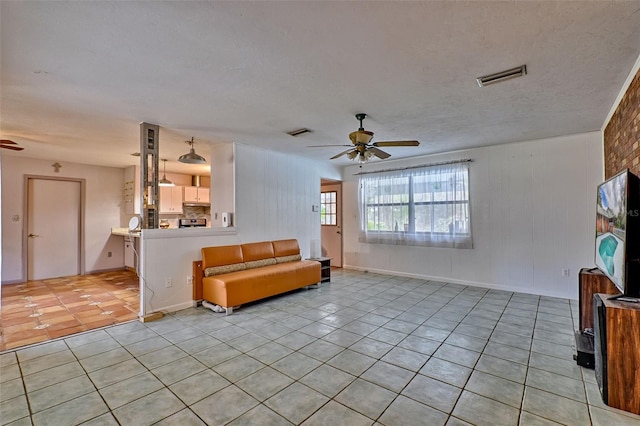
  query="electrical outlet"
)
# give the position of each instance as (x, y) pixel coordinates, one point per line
(189, 280)
(565, 272)
(109, 254)
(168, 282)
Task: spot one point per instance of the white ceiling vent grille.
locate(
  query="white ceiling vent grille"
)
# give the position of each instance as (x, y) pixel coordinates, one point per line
(299, 132)
(502, 76)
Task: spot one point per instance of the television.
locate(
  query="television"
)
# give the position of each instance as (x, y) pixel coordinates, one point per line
(617, 248)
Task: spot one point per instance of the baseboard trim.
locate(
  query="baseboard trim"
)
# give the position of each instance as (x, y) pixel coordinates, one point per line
(171, 308)
(454, 281)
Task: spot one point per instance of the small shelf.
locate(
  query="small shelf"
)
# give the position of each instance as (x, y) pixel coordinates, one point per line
(325, 268)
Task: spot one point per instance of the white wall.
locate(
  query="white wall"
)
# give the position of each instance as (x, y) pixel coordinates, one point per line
(533, 214)
(103, 201)
(274, 193)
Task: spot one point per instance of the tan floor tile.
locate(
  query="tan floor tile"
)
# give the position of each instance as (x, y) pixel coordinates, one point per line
(67, 319)
(55, 316)
(102, 323)
(53, 334)
(29, 341)
(51, 309)
(95, 311)
(64, 309)
(28, 325)
(21, 320)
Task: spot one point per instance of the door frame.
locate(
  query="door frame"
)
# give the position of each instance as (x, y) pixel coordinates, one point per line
(324, 181)
(25, 222)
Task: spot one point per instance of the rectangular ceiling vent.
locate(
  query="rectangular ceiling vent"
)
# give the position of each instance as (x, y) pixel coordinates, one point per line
(502, 76)
(299, 132)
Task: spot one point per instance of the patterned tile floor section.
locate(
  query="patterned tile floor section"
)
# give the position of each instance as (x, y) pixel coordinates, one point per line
(364, 349)
(37, 311)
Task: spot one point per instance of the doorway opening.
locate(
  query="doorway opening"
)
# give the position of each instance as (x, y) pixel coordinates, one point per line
(331, 220)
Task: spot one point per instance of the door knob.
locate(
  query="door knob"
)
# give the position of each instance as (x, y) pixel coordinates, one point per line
(33, 235)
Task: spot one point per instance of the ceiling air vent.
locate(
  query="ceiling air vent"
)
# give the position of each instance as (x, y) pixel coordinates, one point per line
(502, 76)
(299, 132)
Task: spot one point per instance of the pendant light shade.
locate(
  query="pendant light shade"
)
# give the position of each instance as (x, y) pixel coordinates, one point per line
(191, 157)
(164, 181)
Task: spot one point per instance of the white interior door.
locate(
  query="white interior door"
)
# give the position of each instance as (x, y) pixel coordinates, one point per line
(331, 232)
(53, 227)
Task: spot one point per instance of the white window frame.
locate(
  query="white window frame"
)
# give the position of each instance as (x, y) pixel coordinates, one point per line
(331, 215)
(409, 191)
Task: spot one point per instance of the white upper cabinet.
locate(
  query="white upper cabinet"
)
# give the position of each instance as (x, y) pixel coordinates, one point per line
(196, 194)
(171, 199)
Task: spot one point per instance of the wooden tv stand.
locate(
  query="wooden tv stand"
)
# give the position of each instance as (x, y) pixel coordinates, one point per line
(590, 282)
(622, 325)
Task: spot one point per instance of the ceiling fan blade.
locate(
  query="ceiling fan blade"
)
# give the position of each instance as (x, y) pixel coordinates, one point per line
(396, 143)
(9, 144)
(379, 153)
(341, 154)
(322, 146)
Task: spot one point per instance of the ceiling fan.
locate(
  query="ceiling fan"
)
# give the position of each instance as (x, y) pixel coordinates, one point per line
(362, 149)
(7, 144)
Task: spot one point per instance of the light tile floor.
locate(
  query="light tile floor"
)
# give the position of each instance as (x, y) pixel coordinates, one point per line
(364, 349)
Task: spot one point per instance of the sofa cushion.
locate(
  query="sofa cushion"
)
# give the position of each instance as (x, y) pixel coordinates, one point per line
(224, 269)
(221, 255)
(260, 263)
(257, 251)
(285, 247)
(286, 259)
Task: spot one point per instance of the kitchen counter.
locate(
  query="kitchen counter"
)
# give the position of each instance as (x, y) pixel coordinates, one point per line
(124, 232)
(175, 232)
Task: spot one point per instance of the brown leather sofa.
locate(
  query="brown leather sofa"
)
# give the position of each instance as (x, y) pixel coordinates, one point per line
(234, 275)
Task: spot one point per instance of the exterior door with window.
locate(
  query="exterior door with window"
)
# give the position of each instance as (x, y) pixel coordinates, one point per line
(331, 222)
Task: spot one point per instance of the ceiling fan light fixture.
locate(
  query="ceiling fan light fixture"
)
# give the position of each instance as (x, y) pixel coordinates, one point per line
(502, 76)
(352, 155)
(191, 157)
(164, 181)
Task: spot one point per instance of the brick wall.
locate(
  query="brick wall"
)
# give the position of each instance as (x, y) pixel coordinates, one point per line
(622, 134)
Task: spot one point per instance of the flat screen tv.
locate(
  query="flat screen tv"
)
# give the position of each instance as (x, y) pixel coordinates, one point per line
(617, 251)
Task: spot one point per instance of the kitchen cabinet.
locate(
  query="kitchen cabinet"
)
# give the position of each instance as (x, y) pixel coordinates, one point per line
(196, 194)
(171, 200)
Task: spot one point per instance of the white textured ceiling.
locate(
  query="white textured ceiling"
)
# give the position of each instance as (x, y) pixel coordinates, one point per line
(78, 77)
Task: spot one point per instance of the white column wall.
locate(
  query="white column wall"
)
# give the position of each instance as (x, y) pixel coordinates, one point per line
(533, 215)
(222, 182)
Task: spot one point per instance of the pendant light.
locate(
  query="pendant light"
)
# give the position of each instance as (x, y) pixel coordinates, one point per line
(164, 181)
(191, 157)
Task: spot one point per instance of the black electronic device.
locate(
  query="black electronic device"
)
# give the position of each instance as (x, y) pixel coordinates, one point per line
(584, 349)
(617, 248)
(600, 346)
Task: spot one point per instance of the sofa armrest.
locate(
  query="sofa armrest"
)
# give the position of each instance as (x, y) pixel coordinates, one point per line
(198, 274)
